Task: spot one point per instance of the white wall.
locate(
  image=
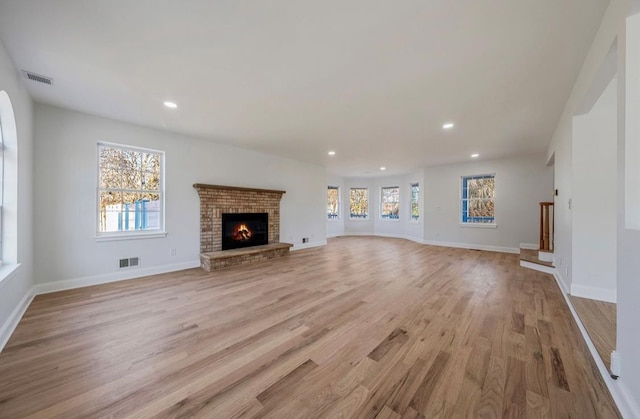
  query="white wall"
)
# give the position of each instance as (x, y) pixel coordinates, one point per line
(359, 226)
(562, 182)
(15, 289)
(521, 183)
(385, 227)
(628, 344)
(65, 186)
(595, 155)
(375, 225)
(613, 29)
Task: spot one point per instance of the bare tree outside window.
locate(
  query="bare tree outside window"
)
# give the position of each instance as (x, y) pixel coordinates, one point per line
(333, 202)
(415, 202)
(130, 189)
(478, 199)
(390, 203)
(359, 203)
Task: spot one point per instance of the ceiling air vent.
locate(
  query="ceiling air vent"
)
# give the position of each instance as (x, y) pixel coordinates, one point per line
(37, 77)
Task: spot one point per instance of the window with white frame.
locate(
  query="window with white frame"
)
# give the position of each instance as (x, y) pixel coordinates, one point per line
(390, 203)
(478, 195)
(359, 203)
(415, 201)
(130, 189)
(333, 202)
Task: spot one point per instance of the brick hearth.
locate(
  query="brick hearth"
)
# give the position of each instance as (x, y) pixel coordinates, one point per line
(216, 200)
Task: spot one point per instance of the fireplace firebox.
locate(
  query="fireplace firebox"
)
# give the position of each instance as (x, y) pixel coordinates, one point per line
(244, 230)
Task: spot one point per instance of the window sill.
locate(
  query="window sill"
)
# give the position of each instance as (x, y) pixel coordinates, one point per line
(130, 236)
(333, 219)
(7, 271)
(359, 220)
(394, 220)
(479, 225)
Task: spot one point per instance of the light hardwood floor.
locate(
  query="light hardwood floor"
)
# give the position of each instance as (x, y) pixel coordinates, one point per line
(364, 327)
(599, 319)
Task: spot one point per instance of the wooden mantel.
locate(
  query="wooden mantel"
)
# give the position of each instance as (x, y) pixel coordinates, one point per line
(235, 188)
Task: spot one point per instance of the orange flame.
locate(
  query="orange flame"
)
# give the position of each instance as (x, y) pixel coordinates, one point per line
(241, 232)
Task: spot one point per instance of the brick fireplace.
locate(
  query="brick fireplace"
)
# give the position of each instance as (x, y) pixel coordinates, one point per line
(216, 200)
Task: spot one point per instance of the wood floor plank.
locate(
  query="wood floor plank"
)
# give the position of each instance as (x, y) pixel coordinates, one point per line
(362, 327)
(422, 396)
(599, 318)
(397, 337)
(285, 384)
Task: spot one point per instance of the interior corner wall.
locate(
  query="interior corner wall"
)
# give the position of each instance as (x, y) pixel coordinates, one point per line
(66, 203)
(15, 289)
(594, 230)
(628, 309)
(563, 216)
(521, 183)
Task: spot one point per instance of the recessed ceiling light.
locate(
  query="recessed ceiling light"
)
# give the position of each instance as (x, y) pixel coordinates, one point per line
(332, 153)
(169, 104)
(448, 125)
(383, 168)
(475, 155)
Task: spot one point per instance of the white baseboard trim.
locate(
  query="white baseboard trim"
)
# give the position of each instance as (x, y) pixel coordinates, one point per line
(562, 282)
(357, 233)
(537, 267)
(594, 293)
(623, 398)
(401, 236)
(529, 246)
(11, 323)
(87, 281)
(488, 248)
(546, 256)
(630, 404)
(332, 235)
(308, 245)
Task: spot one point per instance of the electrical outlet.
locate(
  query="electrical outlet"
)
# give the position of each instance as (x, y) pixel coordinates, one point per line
(174, 251)
(305, 240)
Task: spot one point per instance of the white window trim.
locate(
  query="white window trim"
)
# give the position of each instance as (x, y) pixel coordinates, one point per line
(479, 225)
(360, 219)
(338, 218)
(395, 220)
(411, 220)
(132, 234)
(494, 224)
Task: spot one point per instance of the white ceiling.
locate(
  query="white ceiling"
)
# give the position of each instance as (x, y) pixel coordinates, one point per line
(373, 80)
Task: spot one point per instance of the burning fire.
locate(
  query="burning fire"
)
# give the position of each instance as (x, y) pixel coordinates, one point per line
(241, 232)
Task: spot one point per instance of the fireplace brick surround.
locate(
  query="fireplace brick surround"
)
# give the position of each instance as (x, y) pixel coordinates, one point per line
(216, 200)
